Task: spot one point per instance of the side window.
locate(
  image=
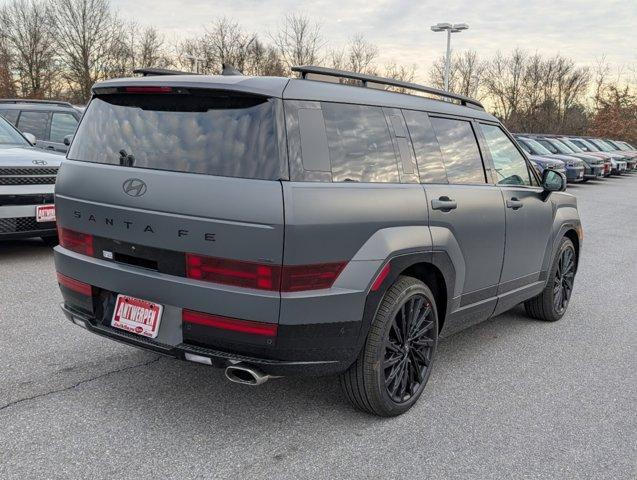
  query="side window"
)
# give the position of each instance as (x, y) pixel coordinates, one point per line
(510, 165)
(548, 145)
(35, 123)
(459, 150)
(10, 115)
(428, 156)
(360, 145)
(62, 124)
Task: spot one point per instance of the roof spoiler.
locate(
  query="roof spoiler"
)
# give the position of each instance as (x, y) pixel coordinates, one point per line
(304, 70)
(152, 72)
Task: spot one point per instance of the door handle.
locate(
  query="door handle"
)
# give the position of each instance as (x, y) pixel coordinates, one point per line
(50, 147)
(444, 203)
(514, 203)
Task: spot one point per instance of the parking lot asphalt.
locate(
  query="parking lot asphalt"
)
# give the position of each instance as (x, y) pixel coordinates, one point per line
(509, 398)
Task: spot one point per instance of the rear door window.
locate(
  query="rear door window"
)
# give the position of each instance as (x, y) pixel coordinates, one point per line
(428, 156)
(459, 149)
(62, 124)
(509, 164)
(360, 144)
(36, 123)
(205, 132)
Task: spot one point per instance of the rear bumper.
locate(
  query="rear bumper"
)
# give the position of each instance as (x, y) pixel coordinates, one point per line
(302, 344)
(218, 358)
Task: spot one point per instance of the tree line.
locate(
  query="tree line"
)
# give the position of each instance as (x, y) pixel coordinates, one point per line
(60, 48)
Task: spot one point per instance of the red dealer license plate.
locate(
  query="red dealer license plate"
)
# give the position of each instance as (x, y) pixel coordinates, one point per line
(137, 316)
(45, 213)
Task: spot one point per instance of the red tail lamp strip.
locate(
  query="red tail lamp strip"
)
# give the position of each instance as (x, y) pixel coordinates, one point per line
(381, 277)
(76, 241)
(231, 324)
(75, 285)
(263, 276)
(148, 89)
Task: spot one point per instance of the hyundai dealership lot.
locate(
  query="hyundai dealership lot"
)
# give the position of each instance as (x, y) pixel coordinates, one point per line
(509, 398)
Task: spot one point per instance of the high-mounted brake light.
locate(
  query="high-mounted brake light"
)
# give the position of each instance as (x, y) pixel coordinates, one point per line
(232, 324)
(76, 241)
(75, 285)
(293, 278)
(148, 89)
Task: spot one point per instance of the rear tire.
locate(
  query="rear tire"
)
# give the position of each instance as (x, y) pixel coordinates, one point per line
(394, 365)
(551, 304)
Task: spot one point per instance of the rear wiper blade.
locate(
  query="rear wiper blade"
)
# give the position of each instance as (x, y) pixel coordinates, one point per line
(126, 160)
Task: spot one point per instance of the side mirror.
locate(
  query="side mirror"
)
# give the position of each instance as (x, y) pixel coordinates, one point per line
(30, 137)
(553, 181)
(67, 140)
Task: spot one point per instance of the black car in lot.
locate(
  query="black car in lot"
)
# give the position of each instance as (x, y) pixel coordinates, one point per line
(47, 120)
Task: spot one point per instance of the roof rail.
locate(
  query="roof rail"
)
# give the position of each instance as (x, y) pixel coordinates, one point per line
(152, 72)
(304, 70)
(30, 100)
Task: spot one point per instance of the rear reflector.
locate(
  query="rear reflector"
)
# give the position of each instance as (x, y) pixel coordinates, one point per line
(381, 277)
(293, 278)
(76, 241)
(75, 285)
(232, 324)
(148, 89)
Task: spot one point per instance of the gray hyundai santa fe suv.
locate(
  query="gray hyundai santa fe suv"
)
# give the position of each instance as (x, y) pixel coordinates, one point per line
(275, 226)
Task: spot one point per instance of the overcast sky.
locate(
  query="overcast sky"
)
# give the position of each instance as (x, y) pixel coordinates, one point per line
(583, 30)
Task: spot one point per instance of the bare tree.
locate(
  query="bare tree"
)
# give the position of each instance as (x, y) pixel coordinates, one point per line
(150, 49)
(85, 32)
(26, 35)
(299, 41)
(7, 84)
(361, 55)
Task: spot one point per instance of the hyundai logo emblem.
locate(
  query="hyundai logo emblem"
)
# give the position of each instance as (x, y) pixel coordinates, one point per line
(134, 187)
(38, 162)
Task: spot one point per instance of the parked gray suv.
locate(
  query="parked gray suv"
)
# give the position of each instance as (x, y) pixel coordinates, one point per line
(275, 226)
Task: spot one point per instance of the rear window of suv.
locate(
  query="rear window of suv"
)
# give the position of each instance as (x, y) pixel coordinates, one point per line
(205, 132)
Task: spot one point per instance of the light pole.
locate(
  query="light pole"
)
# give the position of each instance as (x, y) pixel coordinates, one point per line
(449, 28)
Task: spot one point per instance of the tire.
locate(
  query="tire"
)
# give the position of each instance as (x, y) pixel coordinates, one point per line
(50, 241)
(364, 383)
(548, 305)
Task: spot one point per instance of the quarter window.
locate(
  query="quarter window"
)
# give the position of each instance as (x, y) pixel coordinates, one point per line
(11, 115)
(35, 123)
(459, 150)
(510, 166)
(62, 124)
(360, 145)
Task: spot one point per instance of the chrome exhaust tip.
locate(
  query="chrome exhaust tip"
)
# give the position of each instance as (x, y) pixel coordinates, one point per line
(246, 375)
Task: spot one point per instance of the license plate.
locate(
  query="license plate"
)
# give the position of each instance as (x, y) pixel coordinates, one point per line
(137, 316)
(45, 213)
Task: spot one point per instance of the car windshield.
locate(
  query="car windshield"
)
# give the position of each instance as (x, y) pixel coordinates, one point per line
(538, 148)
(571, 145)
(559, 145)
(628, 145)
(591, 146)
(9, 135)
(601, 145)
(610, 145)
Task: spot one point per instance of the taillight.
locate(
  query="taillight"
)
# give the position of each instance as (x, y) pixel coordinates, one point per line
(294, 278)
(76, 241)
(297, 278)
(233, 272)
(148, 89)
(75, 285)
(232, 324)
